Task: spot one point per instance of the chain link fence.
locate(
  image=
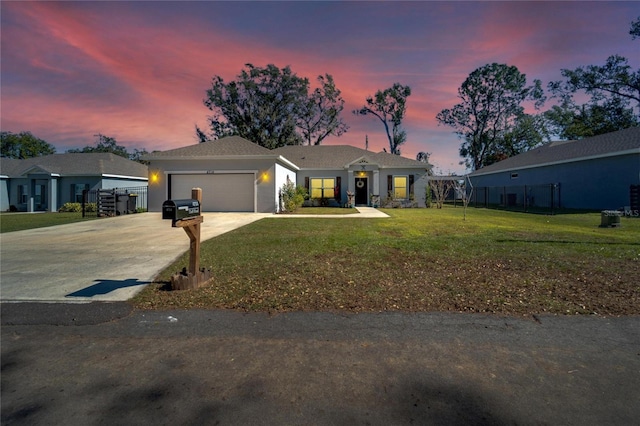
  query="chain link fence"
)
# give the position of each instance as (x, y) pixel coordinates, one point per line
(526, 198)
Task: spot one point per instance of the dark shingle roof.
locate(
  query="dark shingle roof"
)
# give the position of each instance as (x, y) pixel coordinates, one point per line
(339, 156)
(627, 140)
(76, 164)
(303, 156)
(321, 156)
(10, 166)
(228, 146)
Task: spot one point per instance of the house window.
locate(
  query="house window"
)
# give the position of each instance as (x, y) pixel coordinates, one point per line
(76, 192)
(514, 176)
(23, 193)
(322, 187)
(400, 184)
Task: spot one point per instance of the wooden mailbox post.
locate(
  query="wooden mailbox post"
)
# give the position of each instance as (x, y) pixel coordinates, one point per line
(194, 277)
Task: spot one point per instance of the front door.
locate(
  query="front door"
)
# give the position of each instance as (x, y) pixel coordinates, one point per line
(362, 191)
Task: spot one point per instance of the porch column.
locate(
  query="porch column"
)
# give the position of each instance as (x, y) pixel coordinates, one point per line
(53, 194)
(352, 182)
(376, 182)
(31, 196)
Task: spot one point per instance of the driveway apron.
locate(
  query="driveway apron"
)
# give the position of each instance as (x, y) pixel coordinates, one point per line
(107, 259)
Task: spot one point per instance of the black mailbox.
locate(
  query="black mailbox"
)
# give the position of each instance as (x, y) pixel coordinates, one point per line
(180, 209)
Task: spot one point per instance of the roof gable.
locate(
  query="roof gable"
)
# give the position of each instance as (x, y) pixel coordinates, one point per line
(37, 169)
(361, 161)
(609, 144)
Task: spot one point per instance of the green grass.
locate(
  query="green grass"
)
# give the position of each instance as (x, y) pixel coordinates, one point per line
(10, 222)
(419, 260)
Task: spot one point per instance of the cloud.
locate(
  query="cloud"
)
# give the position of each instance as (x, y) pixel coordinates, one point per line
(138, 71)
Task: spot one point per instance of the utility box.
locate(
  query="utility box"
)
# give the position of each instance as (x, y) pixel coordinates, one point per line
(175, 210)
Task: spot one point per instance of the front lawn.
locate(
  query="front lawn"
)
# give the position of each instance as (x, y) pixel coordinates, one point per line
(10, 222)
(419, 260)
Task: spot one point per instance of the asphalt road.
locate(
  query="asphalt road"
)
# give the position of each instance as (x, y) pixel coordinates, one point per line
(94, 364)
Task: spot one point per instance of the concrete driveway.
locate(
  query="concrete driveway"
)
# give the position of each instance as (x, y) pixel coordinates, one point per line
(100, 260)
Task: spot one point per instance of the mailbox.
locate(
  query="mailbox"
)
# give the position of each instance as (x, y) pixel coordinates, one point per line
(180, 209)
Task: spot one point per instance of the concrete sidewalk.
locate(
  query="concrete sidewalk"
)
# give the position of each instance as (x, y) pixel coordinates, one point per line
(363, 213)
(223, 367)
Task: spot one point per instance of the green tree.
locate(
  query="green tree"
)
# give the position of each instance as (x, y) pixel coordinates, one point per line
(110, 145)
(201, 136)
(635, 29)
(320, 116)
(23, 145)
(527, 132)
(389, 106)
(103, 144)
(571, 121)
(137, 155)
(272, 107)
(613, 79)
(614, 91)
(490, 118)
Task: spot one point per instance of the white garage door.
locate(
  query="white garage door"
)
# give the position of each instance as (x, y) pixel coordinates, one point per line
(233, 192)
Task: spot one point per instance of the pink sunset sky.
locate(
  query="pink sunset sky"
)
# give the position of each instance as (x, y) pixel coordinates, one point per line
(138, 71)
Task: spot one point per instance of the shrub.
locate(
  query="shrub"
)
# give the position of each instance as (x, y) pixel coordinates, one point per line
(292, 196)
(70, 208)
(428, 198)
(77, 208)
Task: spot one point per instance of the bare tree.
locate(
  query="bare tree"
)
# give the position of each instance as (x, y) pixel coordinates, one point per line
(465, 189)
(440, 189)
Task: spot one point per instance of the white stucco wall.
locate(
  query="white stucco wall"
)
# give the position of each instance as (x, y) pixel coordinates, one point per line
(281, 175)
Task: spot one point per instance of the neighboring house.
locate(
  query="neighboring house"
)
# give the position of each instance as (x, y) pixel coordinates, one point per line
(592, 173)
(46, 183)
(238, 175)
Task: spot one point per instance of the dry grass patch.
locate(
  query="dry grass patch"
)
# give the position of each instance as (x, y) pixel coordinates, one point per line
(419, 260)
